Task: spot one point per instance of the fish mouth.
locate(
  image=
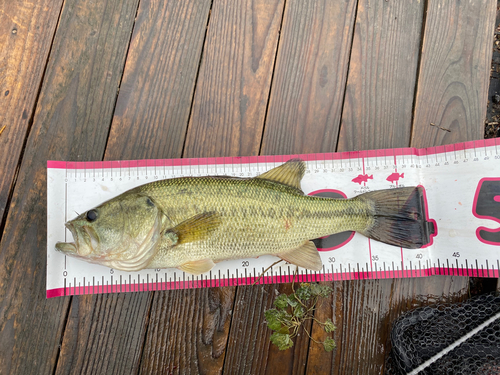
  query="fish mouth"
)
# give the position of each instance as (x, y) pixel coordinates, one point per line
(86, 241)
(69, 248)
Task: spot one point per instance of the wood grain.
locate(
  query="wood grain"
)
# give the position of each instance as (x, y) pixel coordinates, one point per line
(309, 33)
(248, 344)
(241, 38)
(106, 333)
(221, 329)
(378, 103)
(235, 77)
(152, 109)
(249, 349)
(319, 361)
(370, 306)
(26, 30)
(188, 331)
(71, 122)
(454, 72)
(309, 80)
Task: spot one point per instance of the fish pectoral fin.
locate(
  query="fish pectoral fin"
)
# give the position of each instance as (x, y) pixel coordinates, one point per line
(306, 256)
(289, 173)
(198, 266)
(196, 228)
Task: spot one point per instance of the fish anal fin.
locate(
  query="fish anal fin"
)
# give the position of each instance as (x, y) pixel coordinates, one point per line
(289, 173)
(306, 256)
(196, 228)
(198, 266)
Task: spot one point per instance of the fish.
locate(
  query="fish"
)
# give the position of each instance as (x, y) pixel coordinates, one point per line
(395, 177)
(362, 178)
(192, 223)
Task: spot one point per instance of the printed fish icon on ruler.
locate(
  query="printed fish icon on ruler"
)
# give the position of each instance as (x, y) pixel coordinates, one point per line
(362, 178)
(394, 177)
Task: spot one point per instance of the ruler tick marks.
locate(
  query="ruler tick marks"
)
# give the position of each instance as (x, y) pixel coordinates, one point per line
(329, 162)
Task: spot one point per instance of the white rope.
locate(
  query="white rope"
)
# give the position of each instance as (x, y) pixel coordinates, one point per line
(449, 348)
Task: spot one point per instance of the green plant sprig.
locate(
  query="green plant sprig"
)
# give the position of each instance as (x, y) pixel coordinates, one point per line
(293, 310)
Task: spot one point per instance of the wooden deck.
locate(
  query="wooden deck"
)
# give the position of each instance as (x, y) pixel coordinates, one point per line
(130, 79)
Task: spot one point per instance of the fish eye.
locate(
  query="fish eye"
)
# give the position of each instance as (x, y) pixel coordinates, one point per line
(91, 215)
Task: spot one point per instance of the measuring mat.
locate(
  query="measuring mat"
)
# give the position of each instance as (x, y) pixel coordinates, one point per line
(462, 216)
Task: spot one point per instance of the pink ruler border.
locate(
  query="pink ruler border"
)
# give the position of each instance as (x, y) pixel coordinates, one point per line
(273, 158)
(313, 277)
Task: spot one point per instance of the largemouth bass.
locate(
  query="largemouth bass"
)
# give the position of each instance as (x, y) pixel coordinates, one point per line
(191, 223)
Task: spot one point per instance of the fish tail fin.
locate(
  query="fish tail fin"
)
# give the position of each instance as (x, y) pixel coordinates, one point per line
(398, 217)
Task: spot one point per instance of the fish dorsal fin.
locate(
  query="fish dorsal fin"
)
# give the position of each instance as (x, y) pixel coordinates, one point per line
(196, 228)
(289, 173)
(198, 266)
(306, 256)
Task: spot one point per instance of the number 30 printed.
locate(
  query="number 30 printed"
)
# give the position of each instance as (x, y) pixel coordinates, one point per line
(487, 206)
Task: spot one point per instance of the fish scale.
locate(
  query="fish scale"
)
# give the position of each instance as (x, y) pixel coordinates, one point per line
(254, 216)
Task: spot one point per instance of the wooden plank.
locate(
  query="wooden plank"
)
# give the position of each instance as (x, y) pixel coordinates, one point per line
(320, 361)
(234, 81)
(71, 122)
(377, 114)
(248, 344)
(454, 72)
(152, 109)
(27, 29)
(382, 74)
(370, 306)
(227, 118)
(106, 333)
(188, 331)
(309, 82)
(257, 355)
(311, 65)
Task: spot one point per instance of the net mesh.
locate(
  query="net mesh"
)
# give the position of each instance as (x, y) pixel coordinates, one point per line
(447, 333)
